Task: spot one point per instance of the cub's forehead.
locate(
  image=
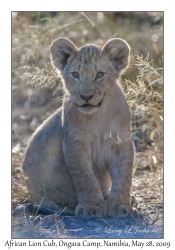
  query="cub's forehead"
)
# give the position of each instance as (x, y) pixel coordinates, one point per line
(90, 48)
(88, 53)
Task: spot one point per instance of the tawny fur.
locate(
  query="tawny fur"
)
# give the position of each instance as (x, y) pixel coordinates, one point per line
(82, 156)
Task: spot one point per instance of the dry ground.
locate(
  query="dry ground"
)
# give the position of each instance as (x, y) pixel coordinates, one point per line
(30, 221)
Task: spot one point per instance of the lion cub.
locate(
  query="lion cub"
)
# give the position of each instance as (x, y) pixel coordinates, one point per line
(82, 155)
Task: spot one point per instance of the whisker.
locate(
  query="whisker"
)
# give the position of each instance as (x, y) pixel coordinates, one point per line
(68, 106)
(57, 99)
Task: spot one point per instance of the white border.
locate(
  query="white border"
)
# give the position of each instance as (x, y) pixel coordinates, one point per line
(5, 96)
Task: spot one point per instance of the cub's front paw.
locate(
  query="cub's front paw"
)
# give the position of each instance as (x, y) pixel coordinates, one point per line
(121, 210)
(94, 210)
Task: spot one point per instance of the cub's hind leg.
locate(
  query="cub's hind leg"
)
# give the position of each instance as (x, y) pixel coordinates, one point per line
(48, 179)
(54, 187)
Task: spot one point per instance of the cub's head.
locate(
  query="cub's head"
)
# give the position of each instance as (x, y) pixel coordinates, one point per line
(89, 72)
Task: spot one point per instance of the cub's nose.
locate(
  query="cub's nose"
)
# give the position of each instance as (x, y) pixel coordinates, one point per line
(86, 97)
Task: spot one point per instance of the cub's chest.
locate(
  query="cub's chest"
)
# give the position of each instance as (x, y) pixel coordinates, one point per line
(97, 147)
(97, 137)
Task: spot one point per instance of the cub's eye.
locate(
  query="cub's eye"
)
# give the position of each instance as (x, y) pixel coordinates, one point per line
(99, 75)
(75, 74)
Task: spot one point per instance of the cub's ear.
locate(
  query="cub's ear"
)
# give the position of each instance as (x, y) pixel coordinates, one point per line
(117, 50)
(61, 50)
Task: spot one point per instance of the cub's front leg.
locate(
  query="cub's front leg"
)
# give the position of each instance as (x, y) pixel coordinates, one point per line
(90, 197)
(120, 168)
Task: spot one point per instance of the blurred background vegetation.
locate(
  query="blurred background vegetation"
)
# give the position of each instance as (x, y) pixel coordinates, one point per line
(36, 87)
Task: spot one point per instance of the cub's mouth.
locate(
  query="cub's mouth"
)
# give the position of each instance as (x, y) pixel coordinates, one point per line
(87, 105)
(88, 108)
